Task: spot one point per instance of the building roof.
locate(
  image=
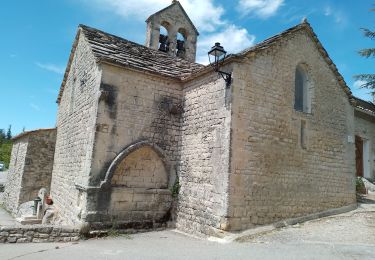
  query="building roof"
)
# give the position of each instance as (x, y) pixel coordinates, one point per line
(108, 47)
(365, 106)
(269, 42)
(26, 133)
(183, 10)
(116, 50)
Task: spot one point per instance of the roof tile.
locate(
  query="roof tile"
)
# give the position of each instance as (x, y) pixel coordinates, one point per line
(117, 50)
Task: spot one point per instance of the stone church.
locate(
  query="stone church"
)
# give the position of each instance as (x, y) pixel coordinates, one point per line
(145, 135)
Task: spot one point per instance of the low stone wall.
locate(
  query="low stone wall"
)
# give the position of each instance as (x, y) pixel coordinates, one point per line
(38, 234)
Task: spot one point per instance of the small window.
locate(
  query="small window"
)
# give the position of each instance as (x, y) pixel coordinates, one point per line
(301, 93)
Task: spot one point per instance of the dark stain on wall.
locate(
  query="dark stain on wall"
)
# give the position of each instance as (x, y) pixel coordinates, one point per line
(109, 96)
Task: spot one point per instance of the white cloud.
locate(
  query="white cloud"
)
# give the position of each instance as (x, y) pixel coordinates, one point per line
(34, 106)
(338, 15)
(358, 83)
(261, 8)
(232, 38)
(51, 67)
(327, 11)
(294, 14)
(204, 14)
(362, 93)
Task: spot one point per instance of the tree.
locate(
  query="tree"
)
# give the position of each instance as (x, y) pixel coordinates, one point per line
(2, 136)
(5, 146)
(9, 133)
(368, 53)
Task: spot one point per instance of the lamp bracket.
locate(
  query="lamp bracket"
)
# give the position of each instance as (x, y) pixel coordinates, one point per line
(226, 76)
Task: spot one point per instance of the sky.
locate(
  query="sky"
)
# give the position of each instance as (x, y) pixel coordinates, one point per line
(37, 36)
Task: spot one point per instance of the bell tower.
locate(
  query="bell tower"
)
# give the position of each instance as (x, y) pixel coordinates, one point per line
(170, 30)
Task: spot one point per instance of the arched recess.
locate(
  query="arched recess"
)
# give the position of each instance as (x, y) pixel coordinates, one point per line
(138, 182)
(126, 152)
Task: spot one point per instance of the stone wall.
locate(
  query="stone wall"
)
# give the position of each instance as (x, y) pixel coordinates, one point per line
(273, 174)
(365, 128)
(76, 124)
(15, 174)
(134, 107)
(205, 155)
(30, 167)
(38, 234)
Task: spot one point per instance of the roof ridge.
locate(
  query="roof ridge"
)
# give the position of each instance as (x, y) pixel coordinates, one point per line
(273, 38)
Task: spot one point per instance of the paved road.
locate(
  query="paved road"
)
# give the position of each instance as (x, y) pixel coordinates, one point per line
(171, 245)
(346, 236)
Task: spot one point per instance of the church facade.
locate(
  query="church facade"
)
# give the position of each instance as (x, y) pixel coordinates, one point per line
(145, 135)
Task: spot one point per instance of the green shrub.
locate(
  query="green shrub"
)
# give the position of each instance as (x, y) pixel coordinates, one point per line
(176, 188)
(360, 186)
(5, 152)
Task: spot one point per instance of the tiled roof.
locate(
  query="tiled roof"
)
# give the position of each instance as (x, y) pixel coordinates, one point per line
(365, 106)
(117, 50)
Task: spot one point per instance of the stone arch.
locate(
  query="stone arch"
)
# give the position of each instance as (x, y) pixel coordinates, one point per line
(138, 184)
(303, 88)
(166, 25)
(183, 32)
(181, 41)
(164, 37)
(126, 152)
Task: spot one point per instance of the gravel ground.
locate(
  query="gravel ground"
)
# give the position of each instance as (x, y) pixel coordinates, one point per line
(355, 228)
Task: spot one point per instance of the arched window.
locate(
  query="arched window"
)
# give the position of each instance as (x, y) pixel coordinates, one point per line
(181, 42)
(163, 38)
(301, 90)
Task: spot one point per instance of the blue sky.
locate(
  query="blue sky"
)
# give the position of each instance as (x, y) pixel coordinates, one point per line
(36, 38)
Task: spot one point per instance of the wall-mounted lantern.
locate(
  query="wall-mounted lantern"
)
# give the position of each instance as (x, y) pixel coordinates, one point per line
(218, 55)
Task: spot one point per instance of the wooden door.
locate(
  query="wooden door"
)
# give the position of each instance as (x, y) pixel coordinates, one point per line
(359, 155)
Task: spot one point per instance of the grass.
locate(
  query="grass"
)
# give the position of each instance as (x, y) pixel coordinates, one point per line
(117, 233)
